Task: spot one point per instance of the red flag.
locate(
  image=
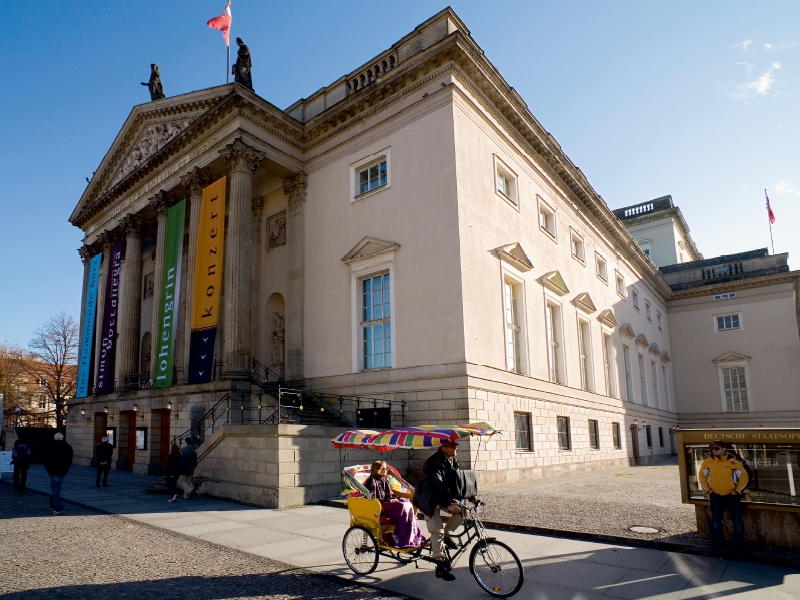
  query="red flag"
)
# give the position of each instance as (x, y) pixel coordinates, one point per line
(223, 23)
(769, 210)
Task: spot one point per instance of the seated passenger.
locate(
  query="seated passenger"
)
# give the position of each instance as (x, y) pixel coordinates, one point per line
(406, 531)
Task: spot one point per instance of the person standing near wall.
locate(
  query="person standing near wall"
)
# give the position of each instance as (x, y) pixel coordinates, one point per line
(104, 451)
(57, 461)
(173, 471)
(189, 456)
(724, 479)
(21, 459)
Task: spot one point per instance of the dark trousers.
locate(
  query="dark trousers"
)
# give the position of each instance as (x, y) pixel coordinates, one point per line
(102, 470)
(20, 478)
(718, 505)
(172, 481)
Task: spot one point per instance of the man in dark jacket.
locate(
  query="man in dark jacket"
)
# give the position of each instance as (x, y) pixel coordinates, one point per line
(437, 491)
(104, 452)
(189, 456)
(21, 459)
(57, 461)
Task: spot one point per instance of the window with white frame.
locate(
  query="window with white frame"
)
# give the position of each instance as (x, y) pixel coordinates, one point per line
(727, 322)
(522, 431)
(654, 377)
(642, 380)
(511, 306)
(616, 435)
(505, 181)
(602, 268)
(608, 352)
(635, 295)
(594, 434)
(585, 354)
(564, 437)
(547, 219)
(626, 364)
(648, 312)
(372, 175)
(553, 328)
(376, 326)
(659, 321)
(734, 388)
(664, 386)
(576, 246)
(620, 284)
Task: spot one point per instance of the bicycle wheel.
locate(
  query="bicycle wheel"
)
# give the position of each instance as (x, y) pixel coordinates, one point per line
(496, 568)
(360, 550)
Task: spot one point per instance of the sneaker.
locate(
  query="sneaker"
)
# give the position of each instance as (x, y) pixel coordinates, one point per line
(56, 512)
(443, 573)
(450, 543)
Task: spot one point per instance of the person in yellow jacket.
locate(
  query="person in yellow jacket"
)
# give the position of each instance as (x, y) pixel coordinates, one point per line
(724, 479)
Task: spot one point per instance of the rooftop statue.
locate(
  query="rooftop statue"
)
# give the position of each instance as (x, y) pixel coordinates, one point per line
(154, 85)
(242, 68)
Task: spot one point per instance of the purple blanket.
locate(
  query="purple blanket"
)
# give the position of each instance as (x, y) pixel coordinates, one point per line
(406, 531)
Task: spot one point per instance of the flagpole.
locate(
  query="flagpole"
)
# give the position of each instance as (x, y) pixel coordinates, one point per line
(770, 223)
(228, 70)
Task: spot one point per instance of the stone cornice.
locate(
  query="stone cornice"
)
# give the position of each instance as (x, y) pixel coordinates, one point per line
(792, 277)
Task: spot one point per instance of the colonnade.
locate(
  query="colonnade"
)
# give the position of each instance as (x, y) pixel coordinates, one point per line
(240, 270)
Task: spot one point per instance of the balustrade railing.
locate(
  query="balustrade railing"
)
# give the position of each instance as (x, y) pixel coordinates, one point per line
(723, 271)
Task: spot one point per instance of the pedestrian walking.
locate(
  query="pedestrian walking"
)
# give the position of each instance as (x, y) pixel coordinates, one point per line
(104, 451)
(57, 461)
(189, 457)
(174, 471)
(21, 459)
(724, 478)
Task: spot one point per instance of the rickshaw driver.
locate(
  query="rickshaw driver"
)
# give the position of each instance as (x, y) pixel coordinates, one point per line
(436, 491)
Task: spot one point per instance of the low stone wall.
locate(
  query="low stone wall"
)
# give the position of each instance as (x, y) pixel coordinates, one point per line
(762, 526)
(279, 465)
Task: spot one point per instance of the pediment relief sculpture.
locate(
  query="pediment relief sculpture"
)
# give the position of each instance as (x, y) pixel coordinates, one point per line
(654, 349)
(584, 302)
(514, 255)
(627, 331)
(732, 357)
(554, 282)
(369, 248)
(153, 139)
(641, 340)
(665, 357)
(606, 317)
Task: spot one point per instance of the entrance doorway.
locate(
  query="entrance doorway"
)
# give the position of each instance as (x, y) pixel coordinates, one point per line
(100, 426)
(127, 440)
(635, 443)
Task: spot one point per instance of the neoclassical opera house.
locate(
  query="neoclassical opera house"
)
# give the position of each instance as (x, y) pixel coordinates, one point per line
(407, 245)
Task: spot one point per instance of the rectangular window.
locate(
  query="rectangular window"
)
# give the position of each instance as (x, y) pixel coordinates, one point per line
(522, 427)
(576, 246)
(564, 441)
(647, 311)
(504, 184)
(607, 370)
(649, 434)
(642, 381)
(584, 347)
(626, 360)
(615, 435)
(725, 322)
(661, 437)
(552, 327)
(547, 219)
(376, 326)
(372, 176)
(653, 375)
(505, 181)
(664, 386)
(725, 296)
(620, 285)
(635, 299)
(602, 268)
(594, 435)
(735, 388)
(659, 321)
(511, 310)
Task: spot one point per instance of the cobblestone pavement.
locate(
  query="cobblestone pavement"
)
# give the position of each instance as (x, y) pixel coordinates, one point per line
(81, 554)
(602, 502)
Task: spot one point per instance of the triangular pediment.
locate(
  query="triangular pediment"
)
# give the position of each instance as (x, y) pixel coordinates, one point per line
(665, 357)
(732, 357)
(584, 302)
(627, 331)
(654, 349)
(641, 340)
(606, 317)
(514, 255)
(555, 283)
(369, 248)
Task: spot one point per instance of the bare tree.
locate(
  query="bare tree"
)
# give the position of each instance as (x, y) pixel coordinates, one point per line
(14, 378)
(55, 348)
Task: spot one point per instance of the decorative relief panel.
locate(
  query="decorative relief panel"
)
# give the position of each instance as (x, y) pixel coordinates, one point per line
(155, 137)
(276, 230)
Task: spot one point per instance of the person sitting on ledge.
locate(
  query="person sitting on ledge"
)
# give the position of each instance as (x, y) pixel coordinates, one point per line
(406, 533)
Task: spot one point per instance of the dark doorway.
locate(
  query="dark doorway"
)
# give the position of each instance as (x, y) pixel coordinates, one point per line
(635, 443)
(127, 440)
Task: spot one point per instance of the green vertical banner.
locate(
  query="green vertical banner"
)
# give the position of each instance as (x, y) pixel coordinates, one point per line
(164, 343)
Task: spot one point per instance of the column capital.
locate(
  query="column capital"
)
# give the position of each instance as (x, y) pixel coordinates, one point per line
(86, 252)
(161, 203)
(295, 188)
(195, 180)
(258, 207)
(132, 226)
(242, 158)
(104, 241)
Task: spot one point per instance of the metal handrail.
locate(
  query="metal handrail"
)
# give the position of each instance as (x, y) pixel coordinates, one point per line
(210, 413)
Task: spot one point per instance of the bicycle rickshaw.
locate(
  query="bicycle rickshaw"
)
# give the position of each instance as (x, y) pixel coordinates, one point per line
(494, 565)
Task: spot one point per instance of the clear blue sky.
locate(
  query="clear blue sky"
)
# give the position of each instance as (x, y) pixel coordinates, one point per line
(694, 99)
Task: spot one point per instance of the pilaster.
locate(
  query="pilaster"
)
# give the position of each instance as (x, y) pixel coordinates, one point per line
(130, 306)
(295, 190)
(255, 309)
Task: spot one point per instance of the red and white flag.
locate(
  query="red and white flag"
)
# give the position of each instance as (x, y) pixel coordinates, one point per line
(769, 210)
(223, 23)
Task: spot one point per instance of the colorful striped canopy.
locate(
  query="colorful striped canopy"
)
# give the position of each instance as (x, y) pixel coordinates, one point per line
(423, 436)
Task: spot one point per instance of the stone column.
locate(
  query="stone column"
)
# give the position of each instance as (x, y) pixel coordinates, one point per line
(295, 190)
(104, 242)
(255, 309)
(86, 258)
(243, 162)
(160, 203)
(130, 300)
(193, 182)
